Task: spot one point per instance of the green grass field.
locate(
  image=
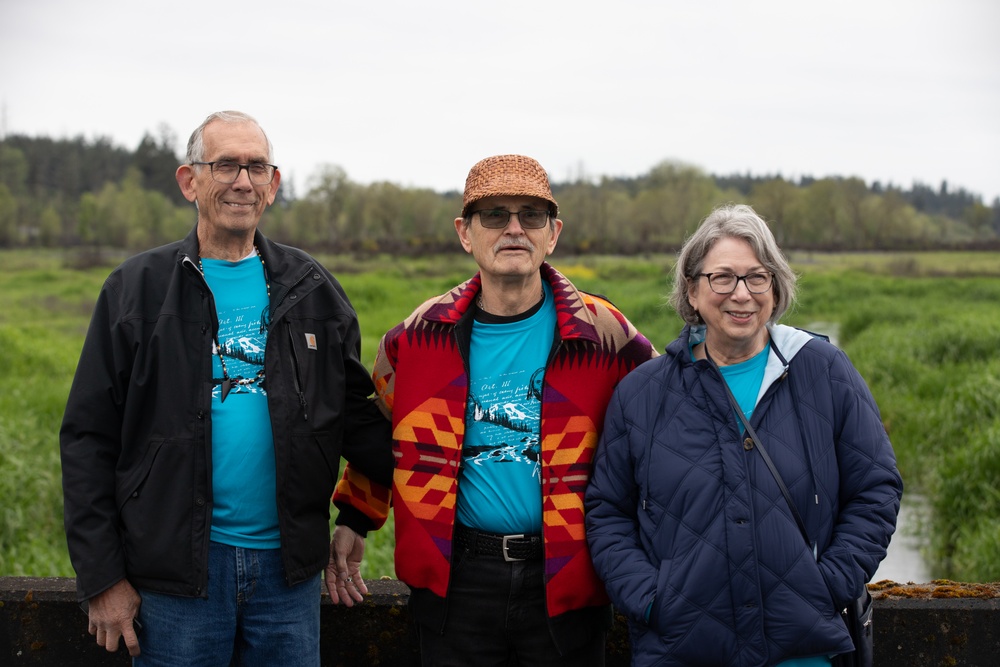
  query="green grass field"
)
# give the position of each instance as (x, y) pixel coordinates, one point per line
(922, 328)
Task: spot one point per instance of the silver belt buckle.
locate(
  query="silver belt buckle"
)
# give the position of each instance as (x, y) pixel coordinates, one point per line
(507, 557)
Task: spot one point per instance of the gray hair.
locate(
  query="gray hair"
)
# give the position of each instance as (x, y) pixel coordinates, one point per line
(196, 144)
(737, 221)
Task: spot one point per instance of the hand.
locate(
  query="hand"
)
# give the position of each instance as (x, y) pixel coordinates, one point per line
(110, 617)
(343, 572)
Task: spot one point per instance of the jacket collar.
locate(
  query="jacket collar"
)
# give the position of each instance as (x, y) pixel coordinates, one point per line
(285, 269)
(788, 341)
(574, 319)
(276, 258)
(189, 246)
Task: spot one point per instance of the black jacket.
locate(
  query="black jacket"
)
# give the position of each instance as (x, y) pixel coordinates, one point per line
(136, 436)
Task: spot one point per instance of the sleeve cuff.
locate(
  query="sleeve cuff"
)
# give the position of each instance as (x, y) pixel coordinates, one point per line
(354, 519)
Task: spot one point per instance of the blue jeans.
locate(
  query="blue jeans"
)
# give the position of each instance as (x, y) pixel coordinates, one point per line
(251, 617)
(496, 618)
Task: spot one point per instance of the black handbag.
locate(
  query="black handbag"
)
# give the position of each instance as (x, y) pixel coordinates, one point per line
(858, 615)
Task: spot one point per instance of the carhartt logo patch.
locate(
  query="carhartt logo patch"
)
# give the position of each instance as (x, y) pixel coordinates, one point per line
(311, 341)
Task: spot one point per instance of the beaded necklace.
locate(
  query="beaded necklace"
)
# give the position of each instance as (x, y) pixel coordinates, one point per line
(227, 382)
(479, 300)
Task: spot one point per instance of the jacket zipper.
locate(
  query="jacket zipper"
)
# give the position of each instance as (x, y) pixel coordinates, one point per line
(296, 378)
(295, 373)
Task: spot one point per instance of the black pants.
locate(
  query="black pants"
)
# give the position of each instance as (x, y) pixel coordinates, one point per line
(496, 618)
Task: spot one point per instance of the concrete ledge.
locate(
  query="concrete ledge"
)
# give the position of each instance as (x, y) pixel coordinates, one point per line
(940, 623)
(41, 624)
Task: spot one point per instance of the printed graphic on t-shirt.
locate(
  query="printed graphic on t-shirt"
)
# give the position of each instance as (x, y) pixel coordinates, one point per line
(242, 335)
(503, 417)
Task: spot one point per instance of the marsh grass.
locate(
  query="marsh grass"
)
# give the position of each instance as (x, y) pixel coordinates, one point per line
(922, 328)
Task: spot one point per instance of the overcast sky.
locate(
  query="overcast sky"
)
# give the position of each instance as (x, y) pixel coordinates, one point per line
(416, 92)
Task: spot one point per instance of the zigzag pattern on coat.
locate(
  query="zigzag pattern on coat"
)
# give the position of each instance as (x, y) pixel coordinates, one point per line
(422, 383)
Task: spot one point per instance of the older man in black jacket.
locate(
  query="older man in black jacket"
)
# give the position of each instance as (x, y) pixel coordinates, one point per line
(218, 385)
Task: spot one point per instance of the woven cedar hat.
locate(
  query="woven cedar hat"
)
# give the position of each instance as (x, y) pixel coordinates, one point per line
(507, 176)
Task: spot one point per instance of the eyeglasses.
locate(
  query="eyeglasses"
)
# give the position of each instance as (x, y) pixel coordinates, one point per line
(226, 171)
(497, 218)
(725, 283)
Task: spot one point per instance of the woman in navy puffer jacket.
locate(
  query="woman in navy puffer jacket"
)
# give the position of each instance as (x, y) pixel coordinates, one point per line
(687, 526)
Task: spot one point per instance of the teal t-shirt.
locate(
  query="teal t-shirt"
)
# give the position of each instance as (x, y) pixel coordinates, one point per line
(244, 511)
(816, 661)
(500, 484)
(744, 380)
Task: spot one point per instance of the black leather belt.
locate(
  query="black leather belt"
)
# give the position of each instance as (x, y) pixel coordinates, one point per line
(508, 547)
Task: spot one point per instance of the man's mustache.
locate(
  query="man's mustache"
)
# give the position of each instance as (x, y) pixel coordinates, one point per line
(519, 242)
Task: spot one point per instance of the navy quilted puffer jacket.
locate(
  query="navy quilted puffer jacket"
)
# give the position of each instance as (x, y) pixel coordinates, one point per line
(685, 520)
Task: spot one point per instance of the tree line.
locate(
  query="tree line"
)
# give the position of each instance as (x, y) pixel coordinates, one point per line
(91, 193)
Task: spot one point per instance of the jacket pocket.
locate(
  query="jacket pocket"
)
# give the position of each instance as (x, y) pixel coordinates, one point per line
(162, 511)
(312, 473)
(297, 371)
(691, 610)
(313, 465)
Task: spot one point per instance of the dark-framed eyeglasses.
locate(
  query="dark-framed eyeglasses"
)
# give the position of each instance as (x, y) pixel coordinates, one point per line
(498, 218)
(227, 171)
(725, 283)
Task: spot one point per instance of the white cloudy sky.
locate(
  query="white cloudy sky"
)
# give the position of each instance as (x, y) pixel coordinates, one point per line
(416, 92)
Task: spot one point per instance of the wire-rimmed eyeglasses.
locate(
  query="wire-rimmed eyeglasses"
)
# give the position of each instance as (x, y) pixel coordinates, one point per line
(498, 218)
(725, 283)
(227, 171)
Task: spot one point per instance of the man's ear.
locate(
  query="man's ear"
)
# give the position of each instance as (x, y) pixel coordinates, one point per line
(557, 226)
(463, 234)
(273, 190)
(185, 179)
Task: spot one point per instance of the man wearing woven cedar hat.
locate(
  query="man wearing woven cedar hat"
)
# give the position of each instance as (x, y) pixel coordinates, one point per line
(497, 391)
